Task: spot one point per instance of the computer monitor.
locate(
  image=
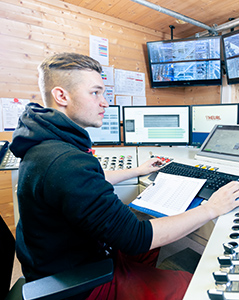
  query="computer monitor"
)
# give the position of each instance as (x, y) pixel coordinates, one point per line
(156, 125)
(185, 62)
(221, 144)
(230, 46)
(204, 117)
(109, 132)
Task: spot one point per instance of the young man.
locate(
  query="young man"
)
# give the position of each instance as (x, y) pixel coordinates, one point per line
(69, 214)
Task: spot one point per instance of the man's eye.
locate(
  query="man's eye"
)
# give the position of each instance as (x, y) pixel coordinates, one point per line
(95, 93)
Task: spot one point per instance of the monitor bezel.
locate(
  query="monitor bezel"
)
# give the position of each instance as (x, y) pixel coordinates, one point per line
(153, 143)
(111, 143)
(200, 105)
(184, 83)
(229, 80)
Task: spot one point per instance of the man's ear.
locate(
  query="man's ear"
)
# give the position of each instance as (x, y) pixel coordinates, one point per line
(60, 96)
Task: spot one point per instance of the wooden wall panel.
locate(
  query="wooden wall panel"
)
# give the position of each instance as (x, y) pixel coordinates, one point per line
(31, 30)
(202, 95)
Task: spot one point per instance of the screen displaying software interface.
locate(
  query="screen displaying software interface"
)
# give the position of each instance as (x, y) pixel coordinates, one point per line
(205, 117)
(156, 125)
(109, 132)
(222, 143)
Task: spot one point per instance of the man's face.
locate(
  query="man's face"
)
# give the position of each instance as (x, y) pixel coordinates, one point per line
(87, 103)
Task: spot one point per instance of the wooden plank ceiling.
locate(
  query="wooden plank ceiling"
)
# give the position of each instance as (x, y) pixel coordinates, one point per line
(209, 12)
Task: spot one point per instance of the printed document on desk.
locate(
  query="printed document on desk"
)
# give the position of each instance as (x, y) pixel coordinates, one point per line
(168, 195)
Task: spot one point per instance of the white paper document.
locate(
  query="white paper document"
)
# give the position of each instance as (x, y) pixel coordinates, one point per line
(129, 83)
(169, 194)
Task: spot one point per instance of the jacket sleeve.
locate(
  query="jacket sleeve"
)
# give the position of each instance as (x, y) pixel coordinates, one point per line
(89, 203)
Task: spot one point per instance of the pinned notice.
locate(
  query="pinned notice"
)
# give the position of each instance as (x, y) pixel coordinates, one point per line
(12, 108)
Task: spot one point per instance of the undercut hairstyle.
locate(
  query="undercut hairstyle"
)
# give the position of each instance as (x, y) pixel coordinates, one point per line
(59, 70)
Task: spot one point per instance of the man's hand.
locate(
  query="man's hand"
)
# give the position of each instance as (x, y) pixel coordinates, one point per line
(224, 199)
(149, 166)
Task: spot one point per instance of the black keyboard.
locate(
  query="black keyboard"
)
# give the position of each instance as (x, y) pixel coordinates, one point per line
(215, 179)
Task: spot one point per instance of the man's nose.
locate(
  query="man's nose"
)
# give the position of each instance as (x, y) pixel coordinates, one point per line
(104, 102)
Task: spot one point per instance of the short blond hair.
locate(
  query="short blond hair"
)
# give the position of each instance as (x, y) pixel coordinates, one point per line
(55, 71)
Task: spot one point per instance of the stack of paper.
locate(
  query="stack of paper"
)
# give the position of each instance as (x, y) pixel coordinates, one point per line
(168, 195)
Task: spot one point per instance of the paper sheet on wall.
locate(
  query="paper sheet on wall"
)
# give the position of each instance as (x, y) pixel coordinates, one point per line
(108, 75)
(109, 95)
(123, 101)
(99, 49)
(139, 101)
(12, 108)
(129, 83)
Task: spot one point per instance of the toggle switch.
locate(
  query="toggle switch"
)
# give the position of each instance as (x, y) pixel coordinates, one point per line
(229, 250)
(224, 284)
(225, 261)
(221, 277)
(227, 265)
(214, 294)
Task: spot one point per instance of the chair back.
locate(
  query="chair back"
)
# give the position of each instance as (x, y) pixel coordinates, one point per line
(7, 252)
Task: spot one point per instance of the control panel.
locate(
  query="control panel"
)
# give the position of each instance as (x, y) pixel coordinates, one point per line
(10, 162)
(226, 277)
(117, 158)
(116, 162)
(217, 274)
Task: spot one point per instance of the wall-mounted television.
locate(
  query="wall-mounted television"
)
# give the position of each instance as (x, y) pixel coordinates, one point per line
(230, 46)
(185, 62)
(204, 117)
(156, 125)
(109, 132)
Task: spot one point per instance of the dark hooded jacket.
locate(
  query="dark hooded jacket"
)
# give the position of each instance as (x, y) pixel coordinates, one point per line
(68, 211)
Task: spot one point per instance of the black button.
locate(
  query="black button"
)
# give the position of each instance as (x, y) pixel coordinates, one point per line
(234, 244)
(234, 235)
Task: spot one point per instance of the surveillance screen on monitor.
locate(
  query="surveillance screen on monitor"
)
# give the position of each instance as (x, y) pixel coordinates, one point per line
(156, 125)
(205, 117)
(230, 43)
(185, 62)
(109, 132)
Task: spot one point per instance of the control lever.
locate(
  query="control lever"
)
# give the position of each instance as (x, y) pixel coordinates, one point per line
(226, 265)
(229, 250)
(215, 294)
(224, 284)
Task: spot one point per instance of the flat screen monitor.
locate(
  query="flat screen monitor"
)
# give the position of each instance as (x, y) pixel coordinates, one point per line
(156, 125)
(186, 62)
(109, 132)
(205, 117)
(221, 144)
(230, 45)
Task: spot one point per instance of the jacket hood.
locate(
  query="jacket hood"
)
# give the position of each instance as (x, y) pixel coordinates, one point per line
(37, 124)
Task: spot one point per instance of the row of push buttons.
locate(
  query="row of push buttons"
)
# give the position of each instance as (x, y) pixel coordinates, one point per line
(235, 227)
(115, 163)
(163, 159)
(10, 161)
